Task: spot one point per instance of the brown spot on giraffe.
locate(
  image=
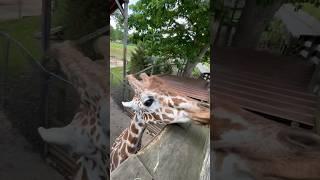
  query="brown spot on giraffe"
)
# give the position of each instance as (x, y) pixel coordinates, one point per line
(92, 121)
(125, 136)
(156, 116)
(178, 101)
(168, 111)
(132, 140)
(149, 116)
(170, 104)
(131, 149)
(84, 122)
(123, 153)
(94, 164)
(93, 130)
(165, 117)
(97, 137)
(115, 158)
(134, 129)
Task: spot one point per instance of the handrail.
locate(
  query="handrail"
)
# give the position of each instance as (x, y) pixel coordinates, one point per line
(92, 35)
(153, 66)
(32, 58)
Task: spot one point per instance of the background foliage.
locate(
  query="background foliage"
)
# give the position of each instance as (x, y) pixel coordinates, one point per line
(171, 29)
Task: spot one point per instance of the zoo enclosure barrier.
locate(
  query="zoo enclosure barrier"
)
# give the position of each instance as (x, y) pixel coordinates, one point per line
(33, 94)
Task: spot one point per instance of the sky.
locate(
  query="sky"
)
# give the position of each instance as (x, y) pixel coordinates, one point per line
(112, 20)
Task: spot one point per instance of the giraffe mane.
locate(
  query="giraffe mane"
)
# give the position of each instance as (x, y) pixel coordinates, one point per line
(78, 68)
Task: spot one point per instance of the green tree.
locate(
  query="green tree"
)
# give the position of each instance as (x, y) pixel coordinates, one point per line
(173, 29)
(116, 34)
(139, 59)
(84, 17)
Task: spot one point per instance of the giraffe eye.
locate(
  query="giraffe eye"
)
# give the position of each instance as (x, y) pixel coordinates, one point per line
(148, 102)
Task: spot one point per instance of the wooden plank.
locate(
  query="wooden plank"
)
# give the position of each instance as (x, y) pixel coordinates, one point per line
(278, 95)
(266, 87)
(241, 60)
(306, 119)
(186, 146)
(281, 83)
(194, 88)
(268, 101)
(268, 98)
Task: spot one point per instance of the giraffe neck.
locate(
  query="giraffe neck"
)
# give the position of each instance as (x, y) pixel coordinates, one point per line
(129, 142)
(135, 133)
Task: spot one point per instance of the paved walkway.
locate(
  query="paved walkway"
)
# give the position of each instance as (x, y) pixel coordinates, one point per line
(17, 160)
(114, 62)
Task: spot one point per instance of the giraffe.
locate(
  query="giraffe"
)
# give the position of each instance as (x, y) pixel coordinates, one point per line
(248, 146)
(86, 135)
(153, 103)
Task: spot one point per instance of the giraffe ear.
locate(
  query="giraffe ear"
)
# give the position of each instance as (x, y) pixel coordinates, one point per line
(127, 104)
(59, 136)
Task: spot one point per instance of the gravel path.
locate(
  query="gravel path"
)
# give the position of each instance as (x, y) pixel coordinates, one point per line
(17, 160)
(114, 62)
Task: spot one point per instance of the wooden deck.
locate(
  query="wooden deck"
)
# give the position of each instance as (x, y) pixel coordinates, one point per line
(269, 84)
(194, 88)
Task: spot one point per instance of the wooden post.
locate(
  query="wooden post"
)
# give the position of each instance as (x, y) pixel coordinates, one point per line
(125, 41)
(5, 73)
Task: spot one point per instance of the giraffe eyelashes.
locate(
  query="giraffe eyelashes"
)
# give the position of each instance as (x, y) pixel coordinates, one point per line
(148, 102)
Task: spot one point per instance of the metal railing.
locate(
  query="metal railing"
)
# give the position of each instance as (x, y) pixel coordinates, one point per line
(25, 100)
(24, 86)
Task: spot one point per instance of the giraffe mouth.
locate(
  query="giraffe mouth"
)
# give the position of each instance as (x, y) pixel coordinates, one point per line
(201, 116)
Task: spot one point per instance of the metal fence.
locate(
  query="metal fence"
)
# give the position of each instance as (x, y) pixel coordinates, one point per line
(22, 98)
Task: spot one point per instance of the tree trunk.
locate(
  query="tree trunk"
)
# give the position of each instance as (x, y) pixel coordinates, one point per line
(253, 21)
(192, 64)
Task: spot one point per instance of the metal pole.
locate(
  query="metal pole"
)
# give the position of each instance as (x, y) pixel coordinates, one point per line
(125, 41)
(19, 9)
(5, 73)
(46, 25)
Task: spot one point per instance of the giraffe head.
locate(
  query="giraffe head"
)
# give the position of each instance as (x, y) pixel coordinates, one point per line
(155, 103)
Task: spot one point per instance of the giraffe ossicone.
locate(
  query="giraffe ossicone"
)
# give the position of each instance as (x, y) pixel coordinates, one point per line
(153, 103)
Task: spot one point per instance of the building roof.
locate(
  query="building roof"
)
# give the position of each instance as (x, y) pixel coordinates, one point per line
(114, 6)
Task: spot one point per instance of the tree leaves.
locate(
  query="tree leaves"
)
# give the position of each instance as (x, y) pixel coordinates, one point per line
(171, 29)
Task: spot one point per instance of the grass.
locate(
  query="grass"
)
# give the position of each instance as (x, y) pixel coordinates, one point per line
(23, 31)
(116, 50)
(117, 76)
(312, 10)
